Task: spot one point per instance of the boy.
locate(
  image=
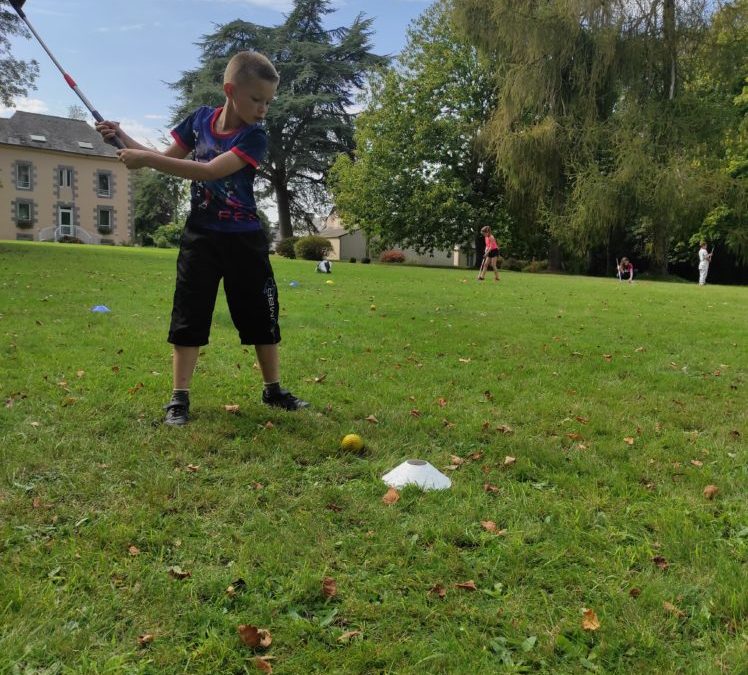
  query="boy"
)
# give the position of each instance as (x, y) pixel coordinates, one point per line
(223, 237)
(704, 259)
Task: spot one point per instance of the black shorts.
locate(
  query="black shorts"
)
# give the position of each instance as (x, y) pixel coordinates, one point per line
(493, 253)
(241, 260)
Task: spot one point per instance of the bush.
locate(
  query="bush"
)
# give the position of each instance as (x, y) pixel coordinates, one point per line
(513, 264)
(536, 266)
(285, 247)
(392, 256)
(365, 261)
(167, 236)
(352, 260)
(312, 247)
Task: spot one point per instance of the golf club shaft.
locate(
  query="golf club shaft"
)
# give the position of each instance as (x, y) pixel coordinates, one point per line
(71, 82)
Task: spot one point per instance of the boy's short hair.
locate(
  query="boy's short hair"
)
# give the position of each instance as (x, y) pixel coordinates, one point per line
(243, 66)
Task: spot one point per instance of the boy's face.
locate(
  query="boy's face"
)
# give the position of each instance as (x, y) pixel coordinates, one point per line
(252, 99)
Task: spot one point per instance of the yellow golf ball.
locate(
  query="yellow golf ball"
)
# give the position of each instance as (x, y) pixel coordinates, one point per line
(352, 443)
(330, 282)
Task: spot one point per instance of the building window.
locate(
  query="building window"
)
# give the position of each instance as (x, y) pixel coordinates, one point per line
(104, 182)
(23, 176)
(24, 214)
(104, 220)
(64, 177)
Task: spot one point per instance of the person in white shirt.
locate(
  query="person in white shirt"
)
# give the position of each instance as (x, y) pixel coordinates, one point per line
(704, 259)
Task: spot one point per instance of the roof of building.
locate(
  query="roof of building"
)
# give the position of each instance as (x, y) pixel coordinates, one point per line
(46, 132)
(335, 232)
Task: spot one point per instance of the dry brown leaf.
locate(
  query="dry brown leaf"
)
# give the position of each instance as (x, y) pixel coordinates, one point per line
(672, 609)
(488, 395)
(80, 373)
(486, 424)
(257, 486)
(697, 463)
(136, 388)
(232, 408)
(464, 360)
(439, 590)
(608, 357)
(505, 429)
(193, 468)
(145, 639)
(661, 562)
(590, 620)
(37, 502)
(490, 526)
(329, 587)
(488, 487)
(456, 460)
(508, 461)
(178, 573)
(415, 412)
(575, 436)
(269, 425)
(262, 664)
(442, 402)
(372, 419)
(628, 440)
(320, 378)
(467, 585)
(334, 507)
(349, 635)
(446, 423)
(475, 456)
(115, 369)
(635, 592)
(581, 420)
(710, 491)
(133, 550)
(254, 637)
(391, 496)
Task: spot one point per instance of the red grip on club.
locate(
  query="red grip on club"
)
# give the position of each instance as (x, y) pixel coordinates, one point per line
(70, 81)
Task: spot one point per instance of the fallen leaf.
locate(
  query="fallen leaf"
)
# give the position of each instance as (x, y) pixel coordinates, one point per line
(490, 526)
(415, 413)
(349, 635)
(262, 664)
(508, 461)
(372, 419)
(329, 587)
(438, 589)
(254, 637)
(232, 408)
(590, 620)
(115, 369)
(488, 487)
(505, 429)
(488, 395)
(178, 573)
(608, 357)
(475, 456)
(391, 496)
(80, 373)
(145, 639)
(442, 402)
(672, 609)
(710, 491)
(640, 349)
(628, 440)
(446, 423)
(36, 503)
(464, 360)
(486, 424)
(136, 388)
(257, 486)
(269, 425)
(661, 562)
(467, 585)
(334, 507)
(133, 550)
(574, 436)
(697, 463)
(320, 378)
(581, 420)
(193, 468)
(456, 460)
(635, 592)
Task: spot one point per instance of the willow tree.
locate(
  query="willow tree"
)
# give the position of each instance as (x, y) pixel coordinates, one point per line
(596, 129)
(310, 121)
(420, 175)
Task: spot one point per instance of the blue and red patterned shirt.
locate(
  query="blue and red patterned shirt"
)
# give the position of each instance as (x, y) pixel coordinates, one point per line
(228, 204)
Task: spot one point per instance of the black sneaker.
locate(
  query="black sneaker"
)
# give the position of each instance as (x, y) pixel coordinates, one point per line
(177, 413)
(283, 399)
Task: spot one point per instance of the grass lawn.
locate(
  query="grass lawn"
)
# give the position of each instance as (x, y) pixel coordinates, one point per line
(620, 403)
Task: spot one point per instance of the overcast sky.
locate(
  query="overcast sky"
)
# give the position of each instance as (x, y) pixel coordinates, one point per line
(121, 53)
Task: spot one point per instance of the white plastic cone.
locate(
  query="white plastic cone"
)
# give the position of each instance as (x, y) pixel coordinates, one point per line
(417, 472)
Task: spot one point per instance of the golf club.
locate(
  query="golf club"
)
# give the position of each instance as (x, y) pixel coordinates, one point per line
(18, 5)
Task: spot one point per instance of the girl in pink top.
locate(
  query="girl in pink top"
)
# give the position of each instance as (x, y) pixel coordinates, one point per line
(491, 254)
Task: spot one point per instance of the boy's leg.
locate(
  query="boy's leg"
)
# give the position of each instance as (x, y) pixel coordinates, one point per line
(268, 357)
(184, 360)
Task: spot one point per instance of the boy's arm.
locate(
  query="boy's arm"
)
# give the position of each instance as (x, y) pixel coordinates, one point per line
(172, 162)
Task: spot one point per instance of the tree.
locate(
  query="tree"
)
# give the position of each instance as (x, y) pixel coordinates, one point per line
(77, 112)
(598, 128)
(310, 121)
(157, 197)
(419, 175)
(16, 76)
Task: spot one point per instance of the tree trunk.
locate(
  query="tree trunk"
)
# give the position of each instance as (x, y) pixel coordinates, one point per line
(284, 211)
(668, 25)
(554, 256)
(659, 251)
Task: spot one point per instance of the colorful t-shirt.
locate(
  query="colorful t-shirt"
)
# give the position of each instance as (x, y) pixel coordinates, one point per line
(228, 204)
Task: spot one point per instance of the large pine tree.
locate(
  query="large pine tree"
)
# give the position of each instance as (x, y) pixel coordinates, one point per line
(310, 121)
